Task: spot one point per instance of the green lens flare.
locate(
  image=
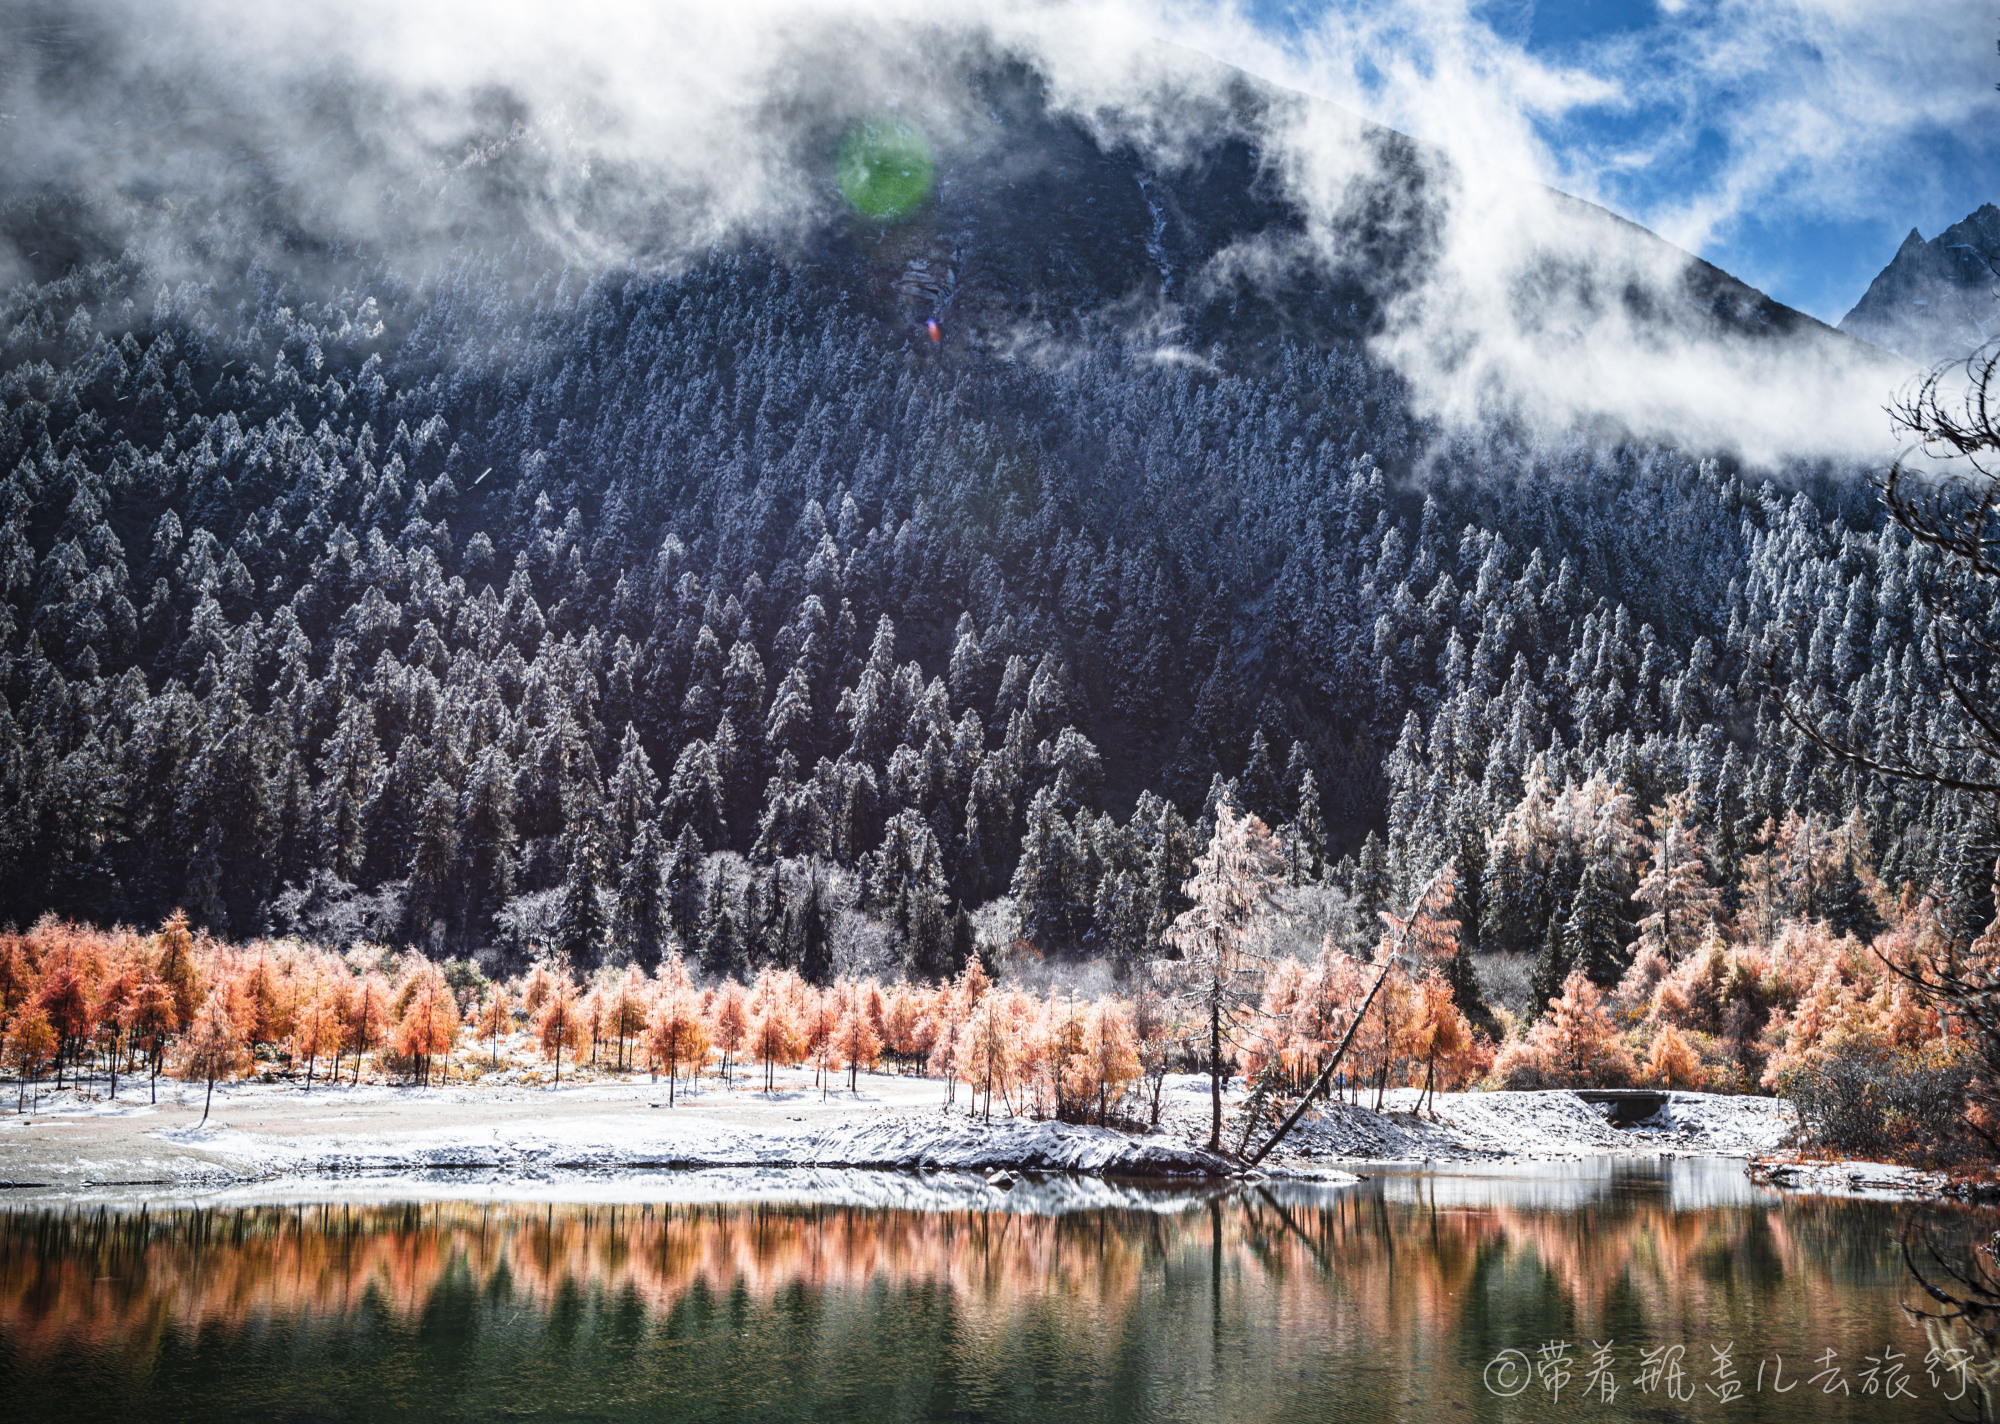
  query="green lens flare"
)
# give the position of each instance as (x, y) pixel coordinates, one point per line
(884, 169)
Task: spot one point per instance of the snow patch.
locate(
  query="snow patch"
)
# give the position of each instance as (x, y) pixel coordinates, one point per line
(927, 1143)
(1486, 1126)
(1879, 1181)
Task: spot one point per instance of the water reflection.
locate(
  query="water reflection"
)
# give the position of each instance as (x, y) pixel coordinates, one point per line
(1383, 1301)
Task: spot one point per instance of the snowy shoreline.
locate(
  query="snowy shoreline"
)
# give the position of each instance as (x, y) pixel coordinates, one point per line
(495, 1131)
(1470, 1127)
(902, 1142)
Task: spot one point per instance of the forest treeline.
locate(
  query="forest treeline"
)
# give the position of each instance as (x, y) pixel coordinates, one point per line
(1769, 998)
(637, 616)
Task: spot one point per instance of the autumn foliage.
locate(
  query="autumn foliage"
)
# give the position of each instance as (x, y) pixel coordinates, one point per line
(1812, 986)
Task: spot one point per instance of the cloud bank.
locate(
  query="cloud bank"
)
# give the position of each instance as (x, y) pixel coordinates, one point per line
(633, 134)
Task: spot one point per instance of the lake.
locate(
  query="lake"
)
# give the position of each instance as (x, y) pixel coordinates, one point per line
(1676, 1288)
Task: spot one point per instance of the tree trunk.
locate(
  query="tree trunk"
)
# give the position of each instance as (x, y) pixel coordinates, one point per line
(207, 1102)
(1215, 1067)
(1326, 1073)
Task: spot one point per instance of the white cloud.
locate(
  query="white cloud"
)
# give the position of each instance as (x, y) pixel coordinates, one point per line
(640, 132)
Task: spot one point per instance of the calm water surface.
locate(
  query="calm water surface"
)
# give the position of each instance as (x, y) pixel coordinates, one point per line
(1394, 1300)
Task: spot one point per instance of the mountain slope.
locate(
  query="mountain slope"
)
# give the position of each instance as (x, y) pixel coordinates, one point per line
(1040, 223)
(609, 609)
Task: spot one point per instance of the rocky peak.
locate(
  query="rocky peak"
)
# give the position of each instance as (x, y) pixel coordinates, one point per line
(1937, 300)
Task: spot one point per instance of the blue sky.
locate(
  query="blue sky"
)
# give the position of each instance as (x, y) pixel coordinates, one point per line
(1791, 142)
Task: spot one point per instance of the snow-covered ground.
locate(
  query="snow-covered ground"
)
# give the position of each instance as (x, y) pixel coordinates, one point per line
(1880, 1181)
(498, 1130)
(492, 1133)
(1491, 1126)
(928, 1142)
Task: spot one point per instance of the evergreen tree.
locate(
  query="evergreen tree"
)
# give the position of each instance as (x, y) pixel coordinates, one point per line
(1259, 789)
(582, 928)
(353, 769)
(435, 861)
(1046, 878)
(1552, 966)
(814, 934)
(1596, 931)
(1371, 876)
(1463, 976)
(640, 922)
(1305, 836)
(720, 937)
(684, 890)
(632, 796)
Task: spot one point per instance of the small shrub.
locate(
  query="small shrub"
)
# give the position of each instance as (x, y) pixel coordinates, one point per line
(1859, 1094)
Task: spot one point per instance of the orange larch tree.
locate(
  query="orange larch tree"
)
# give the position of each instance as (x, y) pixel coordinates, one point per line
(30, 1046)
(559, 1027)
(213, 1047)
(677, 1036)
(496, 1018)
(774, 1038)
(729, 1020)
(427, 1028)
(858, 1042)
(368, 1018)
(316, 1026)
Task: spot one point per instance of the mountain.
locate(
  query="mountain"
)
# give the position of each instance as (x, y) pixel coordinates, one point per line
(503, 604)
(1042, 226)
(1938, 300)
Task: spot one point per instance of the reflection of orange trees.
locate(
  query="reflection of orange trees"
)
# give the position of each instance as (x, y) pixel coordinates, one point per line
(1350, 1267)
(123, 1279)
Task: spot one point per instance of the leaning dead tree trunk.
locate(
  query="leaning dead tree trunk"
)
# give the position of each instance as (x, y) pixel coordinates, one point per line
(1326, 1073)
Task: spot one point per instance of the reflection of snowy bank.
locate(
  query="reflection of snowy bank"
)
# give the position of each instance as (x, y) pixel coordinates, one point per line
(1569, 1184)
(715, 1186)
